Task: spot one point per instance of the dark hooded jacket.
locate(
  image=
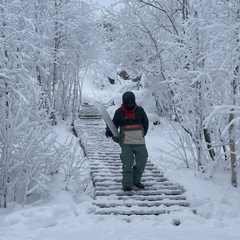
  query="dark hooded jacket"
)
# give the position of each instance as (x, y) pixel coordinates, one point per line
(140, 121)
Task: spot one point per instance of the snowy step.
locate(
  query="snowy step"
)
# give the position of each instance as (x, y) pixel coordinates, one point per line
(119, 174)
(117, 166)
(136, 211)
(119, 179)
(98, 162)
(117, 171)
(163, 185)
(151, 198)
(147, 187)
(143, 193)
(147, 198)
(141, 203)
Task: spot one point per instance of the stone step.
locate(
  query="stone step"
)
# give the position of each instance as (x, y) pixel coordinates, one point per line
(147, 184)
(117, 171)
(125, 211)
(147, 187)
(119, 174)
(129, 203)
(112, 164)
(142, 192)
(143, 198)
(113, 167)
(119, 179)
(152, 198)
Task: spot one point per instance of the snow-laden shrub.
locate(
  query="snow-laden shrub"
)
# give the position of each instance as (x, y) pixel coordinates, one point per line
(27, 152)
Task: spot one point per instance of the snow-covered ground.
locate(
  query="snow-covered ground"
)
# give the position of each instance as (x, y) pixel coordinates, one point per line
(66, 214)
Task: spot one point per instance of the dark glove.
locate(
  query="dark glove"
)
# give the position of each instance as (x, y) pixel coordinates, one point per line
(108, 132)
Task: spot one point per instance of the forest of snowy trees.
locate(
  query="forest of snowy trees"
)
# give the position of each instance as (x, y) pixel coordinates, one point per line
(186, 52)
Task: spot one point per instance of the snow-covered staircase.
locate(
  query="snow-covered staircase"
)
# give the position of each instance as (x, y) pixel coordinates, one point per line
(159, 196)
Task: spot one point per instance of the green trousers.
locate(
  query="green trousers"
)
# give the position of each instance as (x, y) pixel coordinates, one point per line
(133, 174)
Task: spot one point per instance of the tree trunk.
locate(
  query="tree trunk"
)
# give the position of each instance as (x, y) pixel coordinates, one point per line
(235, 89)
(185, 9)
(209, 143)
(232, 152)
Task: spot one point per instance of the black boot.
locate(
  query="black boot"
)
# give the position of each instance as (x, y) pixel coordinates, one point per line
(127, 189)
(139, 185)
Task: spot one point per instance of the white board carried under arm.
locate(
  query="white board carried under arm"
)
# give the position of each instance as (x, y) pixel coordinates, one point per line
(107, 119)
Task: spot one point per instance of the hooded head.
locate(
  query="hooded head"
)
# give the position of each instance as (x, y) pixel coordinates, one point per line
(128, 100)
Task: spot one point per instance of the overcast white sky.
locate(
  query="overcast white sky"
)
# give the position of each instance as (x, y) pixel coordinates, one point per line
(105, 2)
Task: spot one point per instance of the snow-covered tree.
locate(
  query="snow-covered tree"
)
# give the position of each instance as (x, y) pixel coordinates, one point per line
(27, 155)
(142, 28)
(189, 57)
(225, 69)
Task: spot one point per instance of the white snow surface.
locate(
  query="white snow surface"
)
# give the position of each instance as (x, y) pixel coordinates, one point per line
(65, 214)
